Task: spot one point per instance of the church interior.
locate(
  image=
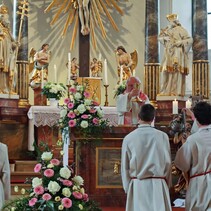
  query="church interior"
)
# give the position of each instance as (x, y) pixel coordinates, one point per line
(83, 46)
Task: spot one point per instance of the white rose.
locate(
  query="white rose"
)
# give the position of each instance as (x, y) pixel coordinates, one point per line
(53, 187)
(84, 124)
(87, 102)
(50, 166)
(82, 190)
(79, 88)
(65, 172)
(63, 113)
(66, 192)
(36, 182)
(80, 206)
(78, 96)
(81, 108)
(46, 156)
(78, 180)
(100, 112)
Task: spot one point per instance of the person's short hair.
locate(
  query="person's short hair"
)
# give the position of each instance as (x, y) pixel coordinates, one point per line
(202, 112)
(43, 46)
(147, 113)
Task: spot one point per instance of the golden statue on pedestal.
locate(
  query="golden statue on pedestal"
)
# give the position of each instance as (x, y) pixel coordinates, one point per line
(96, 67)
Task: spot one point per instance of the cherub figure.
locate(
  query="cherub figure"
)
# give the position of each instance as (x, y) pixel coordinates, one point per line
(96, 67)
(74, 68)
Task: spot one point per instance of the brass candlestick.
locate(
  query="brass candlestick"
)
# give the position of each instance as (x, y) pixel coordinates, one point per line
(68, 91)
(106, 95)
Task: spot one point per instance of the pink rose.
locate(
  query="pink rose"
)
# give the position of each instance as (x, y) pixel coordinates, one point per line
(46, 197)
(95, 103)
(71, 115)
(67, 203)
(95, 121)
(55, 162)
(72, 89)
(77, 195)
(85, 116)
(37, 168)
(49, 172)
(92, 110)
(85, 197)
(67, 183)
(39, 190)
(70, 105)
(32, 202)
(86, 94)
(72, 123)
(67, 100)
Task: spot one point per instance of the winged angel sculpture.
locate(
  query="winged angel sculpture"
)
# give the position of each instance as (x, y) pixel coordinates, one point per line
(89, 12)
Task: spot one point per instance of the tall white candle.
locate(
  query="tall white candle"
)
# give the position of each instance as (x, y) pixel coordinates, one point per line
(42, 78)
(105, 72)
(69, 67)
(100, 57)
(55, 73)
(134, 72)
(175, 107)
(188, 104)
(69, 56)
(121, 74)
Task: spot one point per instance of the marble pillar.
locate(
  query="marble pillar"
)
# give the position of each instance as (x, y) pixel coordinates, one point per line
(200, 71)
(151, 70)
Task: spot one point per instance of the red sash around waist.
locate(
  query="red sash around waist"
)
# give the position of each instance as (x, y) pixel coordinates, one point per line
(164, 178)
(201, 174)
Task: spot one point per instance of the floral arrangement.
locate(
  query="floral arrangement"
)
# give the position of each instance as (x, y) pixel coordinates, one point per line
(54, 90)
(58, 188)
(120, 88)
(82, 112)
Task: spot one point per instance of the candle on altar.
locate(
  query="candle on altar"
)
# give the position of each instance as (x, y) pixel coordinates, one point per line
(105, 72)
(134, 72)
(69, 68)
(42, 78)
(175, 107)
(55, 73)
(188, 104)
(121, 74)
(100, 57)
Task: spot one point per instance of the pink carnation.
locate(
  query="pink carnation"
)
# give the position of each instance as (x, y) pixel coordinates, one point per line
(77, 195)
(67, 183)
(46, 197)
(49, 172)
(32, 202)
(92, 110)
(67, 203)
(39, 190)
(70, 105)
(67, 100)
(95, 121)
(85, 116)
(85, 197)
(37, 168)
(95, 103)
(72, 89)
(72, 123)
(86, 94)
(55, 162)
(71, 115)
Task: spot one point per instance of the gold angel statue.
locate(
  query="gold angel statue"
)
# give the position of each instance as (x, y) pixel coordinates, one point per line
(90, 13)
(126, 62)
(96, 67)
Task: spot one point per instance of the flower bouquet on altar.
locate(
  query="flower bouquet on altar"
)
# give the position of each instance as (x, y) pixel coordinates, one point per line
(82, 112)
(54, 90)
(57, 188)
(120, 88)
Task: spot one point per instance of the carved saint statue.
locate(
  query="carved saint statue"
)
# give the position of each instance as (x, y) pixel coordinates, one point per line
(74, 67)
(127, 62)
(8, 54)
(41, 62)
(96, 67)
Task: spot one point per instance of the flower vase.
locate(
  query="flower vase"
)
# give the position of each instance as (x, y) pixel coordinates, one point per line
(53, 102)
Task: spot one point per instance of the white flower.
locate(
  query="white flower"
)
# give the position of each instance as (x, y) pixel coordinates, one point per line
(36, 182)
(66, 192)
(13, 209)
(65, 172)
(50, 166)
(60, 207)
(81, 108)
(63, 113)
(80, 206)
(78, 180)
(84, 124)
(46, 156)
(78, 96)
(87, 102)
(80, 88)
(53, 187)
(100, 112)
(82, 190)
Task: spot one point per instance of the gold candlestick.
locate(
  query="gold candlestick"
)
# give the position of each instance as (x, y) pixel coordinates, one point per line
(106, 95)
(68, 91)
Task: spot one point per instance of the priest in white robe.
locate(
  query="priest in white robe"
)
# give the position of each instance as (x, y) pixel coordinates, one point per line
(146, 166)
(129, 103)
(194, 157)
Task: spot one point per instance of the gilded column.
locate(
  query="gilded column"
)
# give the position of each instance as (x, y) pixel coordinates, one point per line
(151, 69)
(22, 58)
(200, 71)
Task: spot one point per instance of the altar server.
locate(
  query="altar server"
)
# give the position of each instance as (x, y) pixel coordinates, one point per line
(146, 166)
(194, 157)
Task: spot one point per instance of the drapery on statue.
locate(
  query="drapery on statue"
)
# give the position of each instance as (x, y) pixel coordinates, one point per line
(8, 53)
(96, 67)
(41, 61)
(174, 66)
(128, 61)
